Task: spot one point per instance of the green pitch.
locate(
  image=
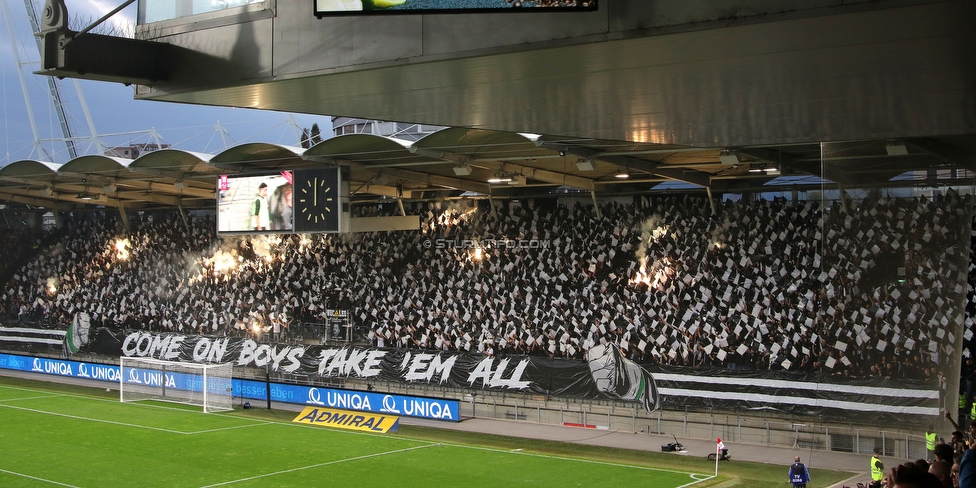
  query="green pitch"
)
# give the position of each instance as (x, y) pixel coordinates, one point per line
(56, 436)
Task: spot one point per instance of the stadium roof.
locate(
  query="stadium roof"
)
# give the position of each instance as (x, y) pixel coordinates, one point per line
(456, 161)
(721, 100)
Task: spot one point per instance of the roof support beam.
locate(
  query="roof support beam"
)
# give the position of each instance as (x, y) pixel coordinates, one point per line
(527, 171)
(148, 196)
(456, 183)
(147, 191)
(948, 153)
(37, 202)
(445, 181)
(632, 163)
(97, 182)
(788, 160)
(382, 190)
(165, 187)
(63, 192)
(66, 197)
(539, 174)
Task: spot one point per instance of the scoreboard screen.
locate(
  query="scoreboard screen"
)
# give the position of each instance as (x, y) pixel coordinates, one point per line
(255, 204)
(287, 202)
(369, 7)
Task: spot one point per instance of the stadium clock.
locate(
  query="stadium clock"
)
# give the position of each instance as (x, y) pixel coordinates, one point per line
(316, 200)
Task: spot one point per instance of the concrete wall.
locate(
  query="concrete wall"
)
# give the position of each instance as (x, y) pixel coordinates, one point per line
(725, 73)
(285, 38)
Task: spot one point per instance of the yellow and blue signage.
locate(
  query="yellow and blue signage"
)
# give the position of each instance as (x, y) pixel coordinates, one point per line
(346, 419)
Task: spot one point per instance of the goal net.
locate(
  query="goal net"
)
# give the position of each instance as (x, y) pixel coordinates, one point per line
(206, 385)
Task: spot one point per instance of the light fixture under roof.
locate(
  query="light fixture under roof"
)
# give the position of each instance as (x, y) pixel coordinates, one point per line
(729, 157)
(499, 177)
(764, 169)
(584, 164)
(896, 148)
(462, 169)
(622, 175)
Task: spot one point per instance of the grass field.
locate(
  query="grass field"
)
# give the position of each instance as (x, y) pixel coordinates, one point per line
(59, 435)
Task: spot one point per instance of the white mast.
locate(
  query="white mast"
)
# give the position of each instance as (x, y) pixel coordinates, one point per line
(51, 83)
(42, 152)
(99, 146)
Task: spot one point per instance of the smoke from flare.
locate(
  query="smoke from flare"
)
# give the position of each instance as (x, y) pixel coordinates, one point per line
(657, 273)
(122, 249)
(52, 285)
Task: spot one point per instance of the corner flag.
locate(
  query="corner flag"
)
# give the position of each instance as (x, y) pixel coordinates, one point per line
(719, 446)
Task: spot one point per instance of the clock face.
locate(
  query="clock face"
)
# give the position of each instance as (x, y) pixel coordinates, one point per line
(316, 200)
(311, 209)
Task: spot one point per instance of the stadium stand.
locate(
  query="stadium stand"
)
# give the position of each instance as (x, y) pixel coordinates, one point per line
(855, 290)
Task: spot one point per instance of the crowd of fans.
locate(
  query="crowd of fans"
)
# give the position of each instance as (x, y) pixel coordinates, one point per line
(866, 289)
(14, 241)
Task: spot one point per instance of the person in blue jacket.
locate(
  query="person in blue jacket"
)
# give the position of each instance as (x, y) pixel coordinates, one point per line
(799, 475)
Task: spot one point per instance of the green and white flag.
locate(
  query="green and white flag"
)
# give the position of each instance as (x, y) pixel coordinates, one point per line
(77, 335)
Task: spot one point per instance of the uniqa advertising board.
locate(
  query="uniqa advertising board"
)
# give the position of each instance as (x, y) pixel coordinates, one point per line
(402, 405)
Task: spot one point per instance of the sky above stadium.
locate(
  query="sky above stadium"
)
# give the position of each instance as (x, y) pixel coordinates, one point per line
(117, 118)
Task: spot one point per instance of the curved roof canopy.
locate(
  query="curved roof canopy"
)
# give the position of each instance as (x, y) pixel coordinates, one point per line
(462, 161)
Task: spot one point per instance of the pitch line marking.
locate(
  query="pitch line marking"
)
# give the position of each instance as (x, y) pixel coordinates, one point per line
(29, 398)
(100, 399)
(247, 426)
(259, 423)
(562, 458)
(252, 422)
(319, 465)
(76, 417)
(124, 424)
(35, 478)
(697, 480)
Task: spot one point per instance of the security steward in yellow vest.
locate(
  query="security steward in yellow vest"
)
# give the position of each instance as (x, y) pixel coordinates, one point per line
(877, 470)
(930, 441)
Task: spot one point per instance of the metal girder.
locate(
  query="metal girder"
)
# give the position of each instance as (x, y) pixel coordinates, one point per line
(143, 190)
(437, 154)
(383, 190)
(539, 174)
(142, 195)
(29, 200)
(63, 192)
(527, 171)
(165, 187)
(430, 179)
(679, 174)
(630, 162)
(688, 176)
(174, 175)
(66, 53)
(62, 197)
(778, 157)
(945, 152)
(168, 188)
(56, 187)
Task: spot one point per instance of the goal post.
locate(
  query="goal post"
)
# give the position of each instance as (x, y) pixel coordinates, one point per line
(205, 385)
